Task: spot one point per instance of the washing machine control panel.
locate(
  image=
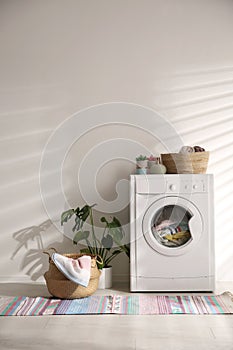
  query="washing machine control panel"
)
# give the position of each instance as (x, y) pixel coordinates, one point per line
(169, 183)
(179, 186)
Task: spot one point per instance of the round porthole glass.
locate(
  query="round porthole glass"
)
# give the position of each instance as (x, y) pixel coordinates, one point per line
(170, 226)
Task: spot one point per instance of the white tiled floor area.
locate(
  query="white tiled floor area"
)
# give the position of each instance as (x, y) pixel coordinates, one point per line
(166, 332)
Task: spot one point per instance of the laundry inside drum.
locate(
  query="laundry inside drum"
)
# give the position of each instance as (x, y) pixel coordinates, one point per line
(170, 226)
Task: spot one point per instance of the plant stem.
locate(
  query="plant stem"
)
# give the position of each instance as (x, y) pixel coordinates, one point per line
(111, 258)
(104, 256)
(89, 246)
(93, 231)
(101, 250)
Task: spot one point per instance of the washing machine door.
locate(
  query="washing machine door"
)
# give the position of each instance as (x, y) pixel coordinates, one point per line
(172, 225)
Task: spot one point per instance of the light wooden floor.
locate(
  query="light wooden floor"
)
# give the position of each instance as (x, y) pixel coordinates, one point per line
(100, 332)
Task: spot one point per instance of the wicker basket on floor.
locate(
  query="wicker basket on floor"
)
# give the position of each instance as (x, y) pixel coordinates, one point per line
(61, 287)
(190, 163)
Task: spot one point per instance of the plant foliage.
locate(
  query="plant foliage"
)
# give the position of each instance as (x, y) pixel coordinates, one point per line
(108, 246)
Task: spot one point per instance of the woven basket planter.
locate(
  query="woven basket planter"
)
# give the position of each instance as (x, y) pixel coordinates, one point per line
(61, 287)
(190, 163)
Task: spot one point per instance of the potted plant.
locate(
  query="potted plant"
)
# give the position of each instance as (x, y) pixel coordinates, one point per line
(152, 160)
(106, 246)
(141, 164)
(141, 161)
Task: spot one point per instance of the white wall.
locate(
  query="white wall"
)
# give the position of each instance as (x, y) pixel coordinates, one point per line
(58, 57)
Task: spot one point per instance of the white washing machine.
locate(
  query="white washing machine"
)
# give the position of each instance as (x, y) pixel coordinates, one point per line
(172, 233)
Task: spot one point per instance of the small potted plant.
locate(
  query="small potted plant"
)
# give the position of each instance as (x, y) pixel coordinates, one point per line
(106, 246)
(152, 160)
(141, 164)
(141, 161)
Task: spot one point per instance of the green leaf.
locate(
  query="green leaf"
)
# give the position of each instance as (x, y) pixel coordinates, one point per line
(77, 210)
(127, 250)
(66, 215)
(80, 235)
(114, 229)
(84, 212)
(103, 219)
(116, 233)
(78, 224)
(101, 265)
(116, 222)
(112, 256)
(107, 242)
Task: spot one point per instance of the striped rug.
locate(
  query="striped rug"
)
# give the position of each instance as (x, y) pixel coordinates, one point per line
(118, 304)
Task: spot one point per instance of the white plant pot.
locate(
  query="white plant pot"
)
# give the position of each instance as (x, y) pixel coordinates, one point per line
(142, 163)
(105, 280)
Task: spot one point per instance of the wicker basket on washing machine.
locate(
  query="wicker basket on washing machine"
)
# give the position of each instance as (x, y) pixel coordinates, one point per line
(189, 163)
(61, 287)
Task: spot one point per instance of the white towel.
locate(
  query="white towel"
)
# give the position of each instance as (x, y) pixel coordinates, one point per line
(76, 270)
(187, 149)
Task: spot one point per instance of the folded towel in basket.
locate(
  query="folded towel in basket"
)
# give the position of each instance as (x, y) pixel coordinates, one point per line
(76, 270)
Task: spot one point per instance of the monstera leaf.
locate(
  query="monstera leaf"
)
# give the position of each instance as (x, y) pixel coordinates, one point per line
(84, 212)
(78, 224)
(81, 215)
(107, 242)
(80, 235)
(67, 215)
(114, 229)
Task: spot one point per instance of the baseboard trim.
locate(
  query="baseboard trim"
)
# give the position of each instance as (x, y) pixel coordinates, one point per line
(27, 279)
(21, 280)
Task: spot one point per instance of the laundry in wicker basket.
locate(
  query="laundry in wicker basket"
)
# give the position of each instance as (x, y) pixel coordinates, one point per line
(61, 287)
(186, 163)
(76, 270)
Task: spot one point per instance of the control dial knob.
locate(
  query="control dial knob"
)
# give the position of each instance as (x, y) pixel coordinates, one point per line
(172, 187)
